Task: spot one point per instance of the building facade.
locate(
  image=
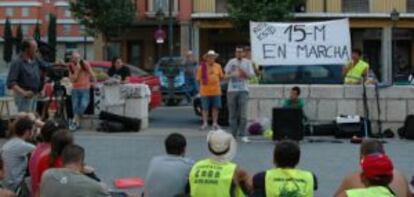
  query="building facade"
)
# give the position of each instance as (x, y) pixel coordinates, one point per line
(388, 45)
(138, 46)
(27, 13)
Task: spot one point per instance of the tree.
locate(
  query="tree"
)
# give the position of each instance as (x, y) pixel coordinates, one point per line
(8, 42)
(51, 36)
(19, 38)
(241, 12)
(107, 17)
(36, 33)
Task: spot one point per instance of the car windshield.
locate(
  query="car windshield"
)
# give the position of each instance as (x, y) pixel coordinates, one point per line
(300, 74)
(164, 61)
(135, 71)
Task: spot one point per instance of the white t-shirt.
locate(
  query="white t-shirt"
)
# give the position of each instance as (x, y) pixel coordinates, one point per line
(237, 84)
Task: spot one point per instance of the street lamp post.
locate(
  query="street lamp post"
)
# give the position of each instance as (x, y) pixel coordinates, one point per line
(170, 28)
(395, 17)
(85, 39)
(160, 17)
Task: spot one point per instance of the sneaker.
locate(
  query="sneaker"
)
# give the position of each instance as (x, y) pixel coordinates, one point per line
(216, 127)
(203, 127)
(245, 139)
(72, 126)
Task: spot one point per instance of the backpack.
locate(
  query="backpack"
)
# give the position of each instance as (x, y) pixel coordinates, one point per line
(407, 131)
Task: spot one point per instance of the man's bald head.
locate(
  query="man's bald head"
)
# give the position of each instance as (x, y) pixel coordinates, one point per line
(29, 47)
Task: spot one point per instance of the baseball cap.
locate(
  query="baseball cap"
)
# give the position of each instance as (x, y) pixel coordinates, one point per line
(376, 165)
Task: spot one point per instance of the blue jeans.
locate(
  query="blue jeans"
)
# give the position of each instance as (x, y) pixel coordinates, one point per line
(80, 101)
(209, 102)
(25, 104)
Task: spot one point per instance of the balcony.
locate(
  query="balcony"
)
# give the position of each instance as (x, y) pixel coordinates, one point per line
(210, 6)
(154, 5)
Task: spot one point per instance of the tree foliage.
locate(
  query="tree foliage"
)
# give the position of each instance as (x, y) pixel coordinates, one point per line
(19, 38)
(108, 17)
(36, 33)
(8, 42)
(242, 12)
(51, 36)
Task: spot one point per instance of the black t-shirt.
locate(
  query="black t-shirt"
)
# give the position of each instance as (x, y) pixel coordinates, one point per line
(123, 72)
(259, 185)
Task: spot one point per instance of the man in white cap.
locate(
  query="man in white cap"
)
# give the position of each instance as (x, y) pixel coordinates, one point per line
(217, 175)
(209, 75)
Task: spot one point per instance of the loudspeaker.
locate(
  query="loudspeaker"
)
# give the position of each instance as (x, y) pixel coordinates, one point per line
(130, 124)
(287, 123)
(349, 130)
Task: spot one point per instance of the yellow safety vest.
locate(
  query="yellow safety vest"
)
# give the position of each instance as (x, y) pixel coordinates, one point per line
(355, 74)
(370, 192)
(289, 182)
(210, 178)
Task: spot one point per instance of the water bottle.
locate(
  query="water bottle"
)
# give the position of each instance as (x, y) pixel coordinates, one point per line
(372, 79)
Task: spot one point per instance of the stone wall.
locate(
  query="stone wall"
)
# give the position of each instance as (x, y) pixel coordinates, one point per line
(325, 102)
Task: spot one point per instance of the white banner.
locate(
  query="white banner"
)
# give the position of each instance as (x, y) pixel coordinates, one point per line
(300, 43)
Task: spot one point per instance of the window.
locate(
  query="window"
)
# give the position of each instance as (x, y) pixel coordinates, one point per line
(25, 12)
(163, 5)
(68, 14)
(47, 17)
(67, 29)
(355, 6)
(113, 50)
(25, 30)
(221, 6)
(410, 5)
(9, 12)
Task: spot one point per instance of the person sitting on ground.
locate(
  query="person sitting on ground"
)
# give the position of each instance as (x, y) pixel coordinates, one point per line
(168, 175)
(399, 183)
(119, 69)
(4, 192)
(294, 101)
(285, 179)
(15, 153)
(377, 174)
(69, 181)
(218, 175)
(42, 151)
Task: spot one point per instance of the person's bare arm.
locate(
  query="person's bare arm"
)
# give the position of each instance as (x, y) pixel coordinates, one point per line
(345, 70)
(343, 194)
(244, 180)
(344, 186)
(74, 76)
(7, 193)
(17, 89)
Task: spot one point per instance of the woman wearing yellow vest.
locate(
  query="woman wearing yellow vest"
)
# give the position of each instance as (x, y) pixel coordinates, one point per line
(285, 179)
(377, 174)
(218, 176)
(357, 70)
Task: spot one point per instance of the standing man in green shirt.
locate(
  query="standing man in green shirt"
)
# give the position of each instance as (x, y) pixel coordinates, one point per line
(294, 101)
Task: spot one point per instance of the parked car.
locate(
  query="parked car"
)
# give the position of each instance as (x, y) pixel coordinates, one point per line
(164, 69)
(301, 74)
(137, 76)
(315, 74)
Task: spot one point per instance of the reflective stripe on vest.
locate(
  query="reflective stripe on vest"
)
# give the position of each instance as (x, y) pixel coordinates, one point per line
(210, 178)
(354, 75)
(370, 192)
(288, 182)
